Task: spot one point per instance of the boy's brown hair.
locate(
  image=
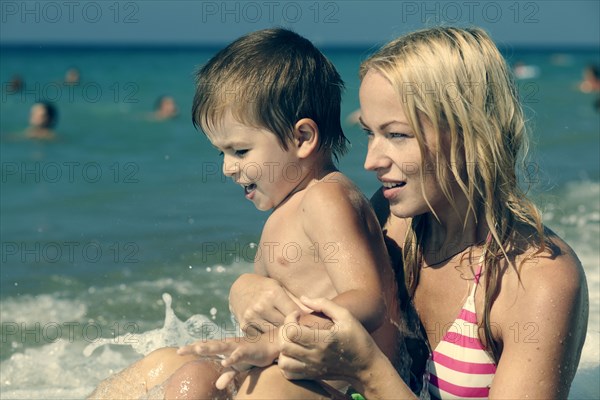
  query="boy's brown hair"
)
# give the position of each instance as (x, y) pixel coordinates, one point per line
(271, 79)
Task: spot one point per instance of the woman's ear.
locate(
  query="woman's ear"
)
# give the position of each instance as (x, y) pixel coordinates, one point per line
(306, 137)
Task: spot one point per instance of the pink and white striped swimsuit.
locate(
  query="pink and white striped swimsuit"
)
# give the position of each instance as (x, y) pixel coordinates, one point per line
(459, 367)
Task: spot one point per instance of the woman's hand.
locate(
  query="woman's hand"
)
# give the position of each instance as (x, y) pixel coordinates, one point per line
(259, 303)
(344, 351)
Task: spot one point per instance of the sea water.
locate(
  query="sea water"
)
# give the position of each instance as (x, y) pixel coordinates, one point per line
(123, 236)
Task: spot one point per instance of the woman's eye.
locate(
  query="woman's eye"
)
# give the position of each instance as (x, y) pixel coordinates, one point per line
(395, 135)
(240, 152)
(367, 132)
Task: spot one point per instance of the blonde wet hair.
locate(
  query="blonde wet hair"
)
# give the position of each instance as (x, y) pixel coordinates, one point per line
(457, 81)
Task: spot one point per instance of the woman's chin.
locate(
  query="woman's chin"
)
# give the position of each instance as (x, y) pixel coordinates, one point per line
(404, 211)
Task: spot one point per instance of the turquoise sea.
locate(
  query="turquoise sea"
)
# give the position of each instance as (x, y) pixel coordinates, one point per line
(97, 226)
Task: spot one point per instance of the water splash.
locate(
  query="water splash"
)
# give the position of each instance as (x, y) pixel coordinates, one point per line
(174, 333)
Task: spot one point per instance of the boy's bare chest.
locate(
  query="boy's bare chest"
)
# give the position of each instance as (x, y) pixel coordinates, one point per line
(287, 255)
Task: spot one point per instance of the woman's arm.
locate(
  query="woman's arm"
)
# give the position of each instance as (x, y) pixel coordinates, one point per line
(345, 351)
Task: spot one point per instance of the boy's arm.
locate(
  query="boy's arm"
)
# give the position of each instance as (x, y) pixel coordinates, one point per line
(343, 227)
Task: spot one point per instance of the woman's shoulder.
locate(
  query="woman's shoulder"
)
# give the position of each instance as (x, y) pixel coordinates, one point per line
(556, 260)
(541, 280)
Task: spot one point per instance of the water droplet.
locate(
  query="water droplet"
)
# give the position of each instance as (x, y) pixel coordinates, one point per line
(208, 269)
(190, 267)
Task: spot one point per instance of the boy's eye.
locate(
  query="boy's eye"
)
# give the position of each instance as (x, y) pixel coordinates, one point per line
(238, 153)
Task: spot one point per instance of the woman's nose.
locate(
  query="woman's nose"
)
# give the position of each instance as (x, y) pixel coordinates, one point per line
(376, 155)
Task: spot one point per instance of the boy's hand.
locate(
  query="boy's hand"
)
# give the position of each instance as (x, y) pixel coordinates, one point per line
(259, 303)
(238, 353)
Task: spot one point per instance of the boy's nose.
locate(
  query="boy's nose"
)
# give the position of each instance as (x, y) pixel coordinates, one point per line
(376, 157)
(230, 167)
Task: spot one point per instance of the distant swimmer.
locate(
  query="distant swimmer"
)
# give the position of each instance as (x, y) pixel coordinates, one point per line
(165, 108)
(591, 79)
(15, 85)
(72, 76)
(523, 71)
(353, 117)
(42, 120)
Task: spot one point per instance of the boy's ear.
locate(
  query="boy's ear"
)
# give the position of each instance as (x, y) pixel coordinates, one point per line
(306, 137)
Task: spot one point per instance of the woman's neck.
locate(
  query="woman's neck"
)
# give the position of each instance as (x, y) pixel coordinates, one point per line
(453, 231)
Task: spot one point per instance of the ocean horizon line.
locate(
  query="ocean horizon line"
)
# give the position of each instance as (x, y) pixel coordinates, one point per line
(175, 46)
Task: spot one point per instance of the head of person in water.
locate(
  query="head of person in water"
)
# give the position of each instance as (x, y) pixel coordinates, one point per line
(43, 115)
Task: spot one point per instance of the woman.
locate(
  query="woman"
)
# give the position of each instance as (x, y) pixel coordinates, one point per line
(502, 300)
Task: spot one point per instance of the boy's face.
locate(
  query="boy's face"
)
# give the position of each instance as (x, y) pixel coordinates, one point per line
(254, 159)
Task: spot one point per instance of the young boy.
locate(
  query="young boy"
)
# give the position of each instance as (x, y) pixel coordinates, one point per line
(270, 103)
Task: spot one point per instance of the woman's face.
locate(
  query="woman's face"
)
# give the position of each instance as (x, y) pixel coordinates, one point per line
(393, 150)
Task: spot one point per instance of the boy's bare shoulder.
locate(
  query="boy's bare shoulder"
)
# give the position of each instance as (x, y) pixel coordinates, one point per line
(334, 190)
(334, 197)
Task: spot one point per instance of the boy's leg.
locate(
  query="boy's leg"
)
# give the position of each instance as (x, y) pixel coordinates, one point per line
(195, 380)
(269, 383)
(137, 379)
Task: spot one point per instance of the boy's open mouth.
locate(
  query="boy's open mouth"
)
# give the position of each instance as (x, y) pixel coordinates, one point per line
(249, 188)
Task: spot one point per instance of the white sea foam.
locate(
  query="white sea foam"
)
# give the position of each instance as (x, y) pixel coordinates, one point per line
(42, 309)
(67, 369)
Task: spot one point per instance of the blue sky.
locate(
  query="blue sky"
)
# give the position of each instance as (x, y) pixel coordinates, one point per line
(327, 23)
